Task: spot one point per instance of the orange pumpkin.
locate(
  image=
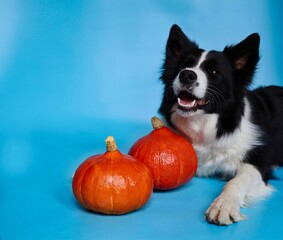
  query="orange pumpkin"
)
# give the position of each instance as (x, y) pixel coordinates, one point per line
(112, 183)
(170, 158)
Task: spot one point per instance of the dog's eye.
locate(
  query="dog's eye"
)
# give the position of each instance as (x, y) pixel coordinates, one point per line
(214, 72)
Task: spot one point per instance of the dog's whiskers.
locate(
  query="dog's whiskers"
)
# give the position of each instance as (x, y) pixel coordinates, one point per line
(216, 96)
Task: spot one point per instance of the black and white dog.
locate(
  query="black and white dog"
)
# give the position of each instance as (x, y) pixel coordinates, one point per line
(237, 133)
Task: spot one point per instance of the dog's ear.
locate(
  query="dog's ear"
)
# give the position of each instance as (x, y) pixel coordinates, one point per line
(177, 42)
(245, 56)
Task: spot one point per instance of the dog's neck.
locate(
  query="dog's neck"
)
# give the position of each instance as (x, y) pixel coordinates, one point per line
(199, 129)
(223, 154)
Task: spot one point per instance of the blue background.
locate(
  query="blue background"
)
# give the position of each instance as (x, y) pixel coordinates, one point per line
(74, 72)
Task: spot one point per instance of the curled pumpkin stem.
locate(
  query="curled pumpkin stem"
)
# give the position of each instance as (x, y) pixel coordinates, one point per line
(111, 145)
(156, 123)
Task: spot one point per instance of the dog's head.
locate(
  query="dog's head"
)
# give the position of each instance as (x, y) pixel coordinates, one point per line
(198, 81)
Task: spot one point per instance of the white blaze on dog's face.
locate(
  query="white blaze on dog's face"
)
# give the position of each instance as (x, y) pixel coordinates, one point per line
(190, 85)
(207, 100)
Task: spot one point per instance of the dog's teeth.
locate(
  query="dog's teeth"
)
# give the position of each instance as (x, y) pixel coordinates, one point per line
(186, 104)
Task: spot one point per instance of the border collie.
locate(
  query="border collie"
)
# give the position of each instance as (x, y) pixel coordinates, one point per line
(237, 133)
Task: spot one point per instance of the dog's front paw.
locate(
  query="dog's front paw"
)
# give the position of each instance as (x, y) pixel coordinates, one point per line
(224, 211)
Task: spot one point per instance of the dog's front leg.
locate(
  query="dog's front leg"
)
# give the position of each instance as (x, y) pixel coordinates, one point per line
(247, 185)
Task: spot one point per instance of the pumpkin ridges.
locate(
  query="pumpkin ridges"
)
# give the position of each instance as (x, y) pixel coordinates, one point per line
(133, 189)
(181, 173)
(79, 176)
(149, 185)
(112, 190)
(147, 156)
(112, 152)
(116, 207)
(169, 156)
(114, 183)
(150, 157)
(101, 201)
(141, 184)
(81, 187)
(89, 181)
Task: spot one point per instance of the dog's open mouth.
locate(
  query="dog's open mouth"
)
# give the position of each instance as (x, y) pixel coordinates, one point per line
(188, 101)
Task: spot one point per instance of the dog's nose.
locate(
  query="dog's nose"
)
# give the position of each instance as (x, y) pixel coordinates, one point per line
(187, 77)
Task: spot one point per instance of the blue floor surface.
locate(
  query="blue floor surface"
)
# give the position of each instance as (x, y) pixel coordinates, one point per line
(36, 200)
(73, 72)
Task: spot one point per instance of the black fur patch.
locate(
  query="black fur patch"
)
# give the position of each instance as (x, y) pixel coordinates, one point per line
(229, 74)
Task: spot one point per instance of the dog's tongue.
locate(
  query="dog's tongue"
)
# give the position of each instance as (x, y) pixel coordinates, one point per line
(186, 103)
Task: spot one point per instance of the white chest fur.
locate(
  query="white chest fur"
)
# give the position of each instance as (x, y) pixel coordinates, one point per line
(224, 155)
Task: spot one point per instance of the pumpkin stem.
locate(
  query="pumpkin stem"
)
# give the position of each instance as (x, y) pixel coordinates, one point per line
(156, 123)
(111, 145)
